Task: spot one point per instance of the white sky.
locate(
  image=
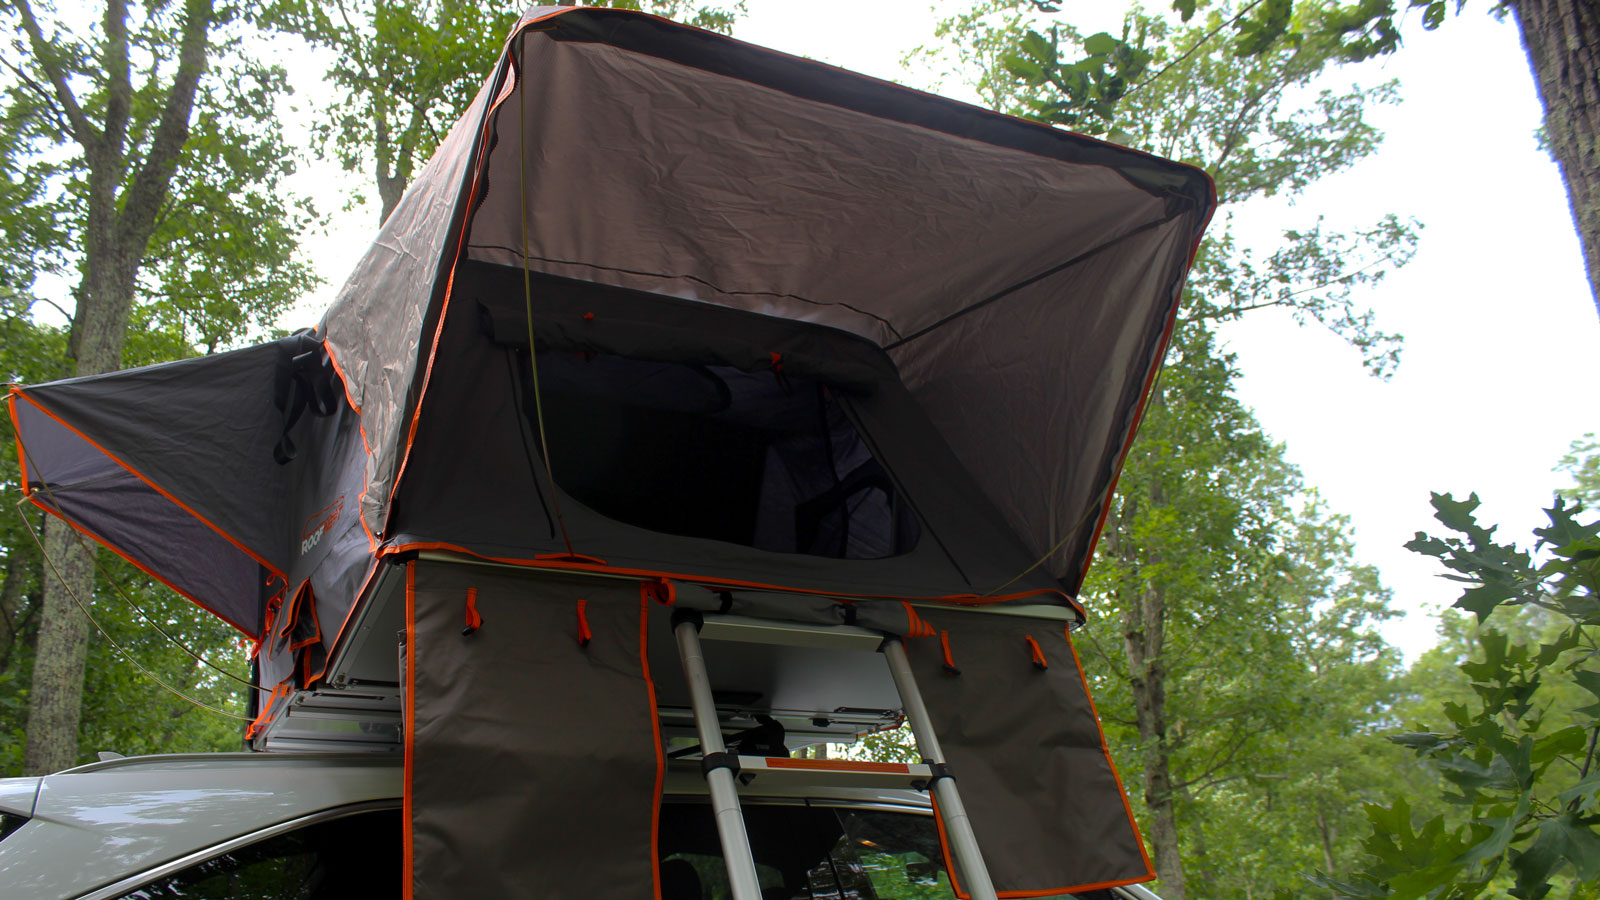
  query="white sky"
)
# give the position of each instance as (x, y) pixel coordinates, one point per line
(1496, 377)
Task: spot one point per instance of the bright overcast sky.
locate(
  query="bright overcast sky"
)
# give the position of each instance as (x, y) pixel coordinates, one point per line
(1496, 378)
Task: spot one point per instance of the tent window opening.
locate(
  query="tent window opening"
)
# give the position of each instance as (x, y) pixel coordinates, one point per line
(718, 453)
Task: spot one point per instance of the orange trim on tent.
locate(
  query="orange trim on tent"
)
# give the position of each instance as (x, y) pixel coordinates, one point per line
(837, 765)
(1149, 384)
(584, 634)
(255, 638)
(916, 626)
(372, 542)
(356, 604)
(479, 169)
(1036, 652)
(316, 622)
(661, 756)
(1127, 807)
(411, 725)
(17, 392)
(474, 621)
(949, 661)
(651, 574)
(282, 689)
(16, 435)
(962, 894)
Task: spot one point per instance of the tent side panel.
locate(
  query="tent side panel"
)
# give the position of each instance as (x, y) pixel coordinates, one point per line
(76, 480)
(1025, 745)
(1068, 409)
(534, 763)
(376, 331)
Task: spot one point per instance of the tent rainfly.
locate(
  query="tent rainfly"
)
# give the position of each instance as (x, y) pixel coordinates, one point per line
(729, 328)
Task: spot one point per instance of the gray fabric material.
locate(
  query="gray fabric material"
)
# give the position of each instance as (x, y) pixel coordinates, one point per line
(475, 423)
(690, 165)
(200, 434)
(202, 430)
(379, 327)
(1045, 804)
(529, 753)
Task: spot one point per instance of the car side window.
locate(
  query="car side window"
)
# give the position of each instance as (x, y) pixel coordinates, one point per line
(348, 856)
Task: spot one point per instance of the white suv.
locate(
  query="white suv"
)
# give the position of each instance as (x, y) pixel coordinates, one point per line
(282, 826)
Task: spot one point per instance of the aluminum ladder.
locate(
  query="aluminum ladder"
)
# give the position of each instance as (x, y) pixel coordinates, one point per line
(723, 770)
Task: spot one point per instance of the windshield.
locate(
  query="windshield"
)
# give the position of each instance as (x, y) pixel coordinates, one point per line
(807, 853)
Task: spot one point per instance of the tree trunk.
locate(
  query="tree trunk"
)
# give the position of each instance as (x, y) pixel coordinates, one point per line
(55, 702)
(1327, 842)
(123, 203)
(1562, 38)
(56, 699)
(390, 189)
(1143, 626)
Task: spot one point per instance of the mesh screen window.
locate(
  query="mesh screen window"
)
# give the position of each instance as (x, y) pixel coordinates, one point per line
(713, 452)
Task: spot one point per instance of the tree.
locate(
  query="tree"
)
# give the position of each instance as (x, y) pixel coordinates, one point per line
(1561, 37)
(1517, 753)
(407, 71)
(1203, 528)
(154, 129)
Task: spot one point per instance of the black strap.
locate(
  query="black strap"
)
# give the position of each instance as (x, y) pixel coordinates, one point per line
(713, 761)
(939, 770)
(304, 379)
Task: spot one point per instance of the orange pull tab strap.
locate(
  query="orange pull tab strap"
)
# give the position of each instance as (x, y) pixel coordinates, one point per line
(474, 621)
(660, 590)
(916, 626)
(1038, 653)
(584, 634)
(949, 661)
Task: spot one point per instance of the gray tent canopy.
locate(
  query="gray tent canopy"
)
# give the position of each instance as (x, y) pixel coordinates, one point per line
(669, 307)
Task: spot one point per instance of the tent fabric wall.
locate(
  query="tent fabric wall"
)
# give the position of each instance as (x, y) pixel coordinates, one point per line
(171, 466)
(660, 170)
(478, 425)
(1044, 798)
(519, 738)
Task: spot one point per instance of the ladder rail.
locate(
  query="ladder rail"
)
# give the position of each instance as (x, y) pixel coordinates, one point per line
(736, 854)
(743, 881)
(963, 844)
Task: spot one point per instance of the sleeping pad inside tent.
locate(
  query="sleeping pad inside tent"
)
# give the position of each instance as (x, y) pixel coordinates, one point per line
(678, 338)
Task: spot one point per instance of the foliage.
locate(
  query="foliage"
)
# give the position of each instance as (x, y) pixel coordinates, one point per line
(1516, 757)
(145, 164)
(1582, 461)
(1096, 72)
(1255, 125)
(219, 266)
(404, 72)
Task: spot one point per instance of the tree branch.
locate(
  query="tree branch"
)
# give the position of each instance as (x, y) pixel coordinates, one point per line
(45, 96)
(82, 131)
(150, 184)
(119, 83)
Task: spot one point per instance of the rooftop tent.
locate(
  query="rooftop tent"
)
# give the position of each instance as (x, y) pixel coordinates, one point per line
(670, 319)
(683, 164)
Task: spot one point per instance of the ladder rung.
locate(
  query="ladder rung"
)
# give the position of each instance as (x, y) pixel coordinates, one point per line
(836, 772)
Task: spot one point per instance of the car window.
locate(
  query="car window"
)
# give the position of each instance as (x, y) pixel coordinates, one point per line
(332, 859)
(807, 853)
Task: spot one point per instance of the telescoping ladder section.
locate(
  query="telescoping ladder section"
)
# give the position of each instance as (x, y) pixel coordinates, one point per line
(722, 768)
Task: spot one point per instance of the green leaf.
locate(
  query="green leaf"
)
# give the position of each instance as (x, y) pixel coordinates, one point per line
(1101, 44)
(1587, 791)
(1569, 740)
(1184, 8)
(1589, 680)
(1575, 839)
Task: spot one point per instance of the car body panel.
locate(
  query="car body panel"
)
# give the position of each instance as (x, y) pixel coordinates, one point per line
(97, 824)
